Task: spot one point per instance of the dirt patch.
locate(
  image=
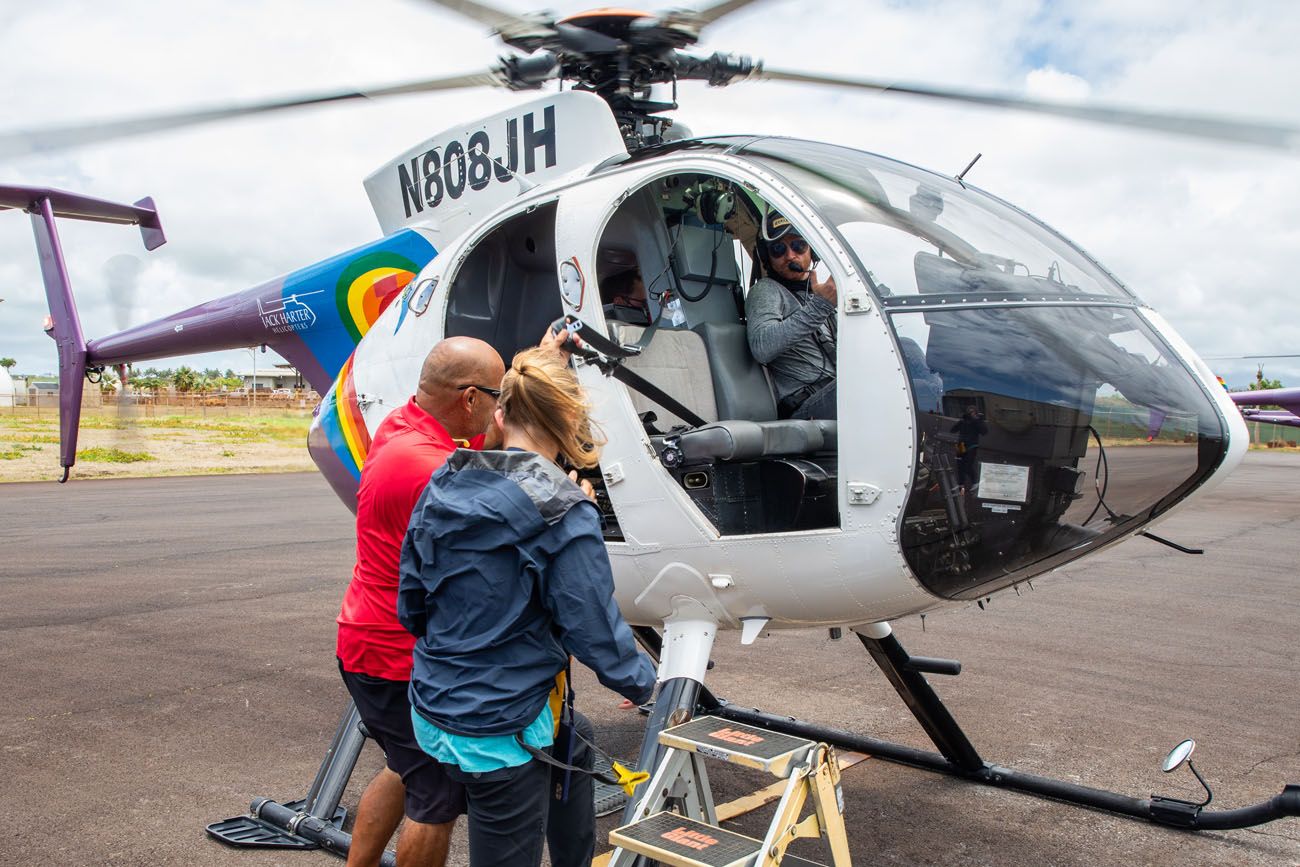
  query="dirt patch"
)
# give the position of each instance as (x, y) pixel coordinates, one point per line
(176, 444)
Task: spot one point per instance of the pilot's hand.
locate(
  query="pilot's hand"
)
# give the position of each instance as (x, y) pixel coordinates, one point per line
(583, 484)
(825, 290)
(556, 340)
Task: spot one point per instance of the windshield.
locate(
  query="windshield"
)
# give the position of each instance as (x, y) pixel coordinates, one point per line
(1044, 432)
(918, 232)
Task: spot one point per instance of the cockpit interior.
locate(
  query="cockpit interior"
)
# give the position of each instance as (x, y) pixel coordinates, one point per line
(690, 238)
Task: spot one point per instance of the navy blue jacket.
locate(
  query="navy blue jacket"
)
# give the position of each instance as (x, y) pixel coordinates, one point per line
(504, 574)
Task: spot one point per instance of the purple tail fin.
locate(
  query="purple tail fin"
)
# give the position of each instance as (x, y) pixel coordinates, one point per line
(45, 205)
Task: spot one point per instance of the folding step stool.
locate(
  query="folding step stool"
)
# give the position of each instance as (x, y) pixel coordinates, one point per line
(694, 839)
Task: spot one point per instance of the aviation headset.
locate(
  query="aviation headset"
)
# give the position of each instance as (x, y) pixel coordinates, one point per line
(712, 201)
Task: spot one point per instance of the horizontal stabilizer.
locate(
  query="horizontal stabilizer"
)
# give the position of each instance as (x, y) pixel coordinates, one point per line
(78, 207)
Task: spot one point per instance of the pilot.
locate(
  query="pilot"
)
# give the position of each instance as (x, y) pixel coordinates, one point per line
(791, 323)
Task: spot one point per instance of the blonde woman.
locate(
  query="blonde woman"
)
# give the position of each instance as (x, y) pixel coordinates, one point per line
(504, 575)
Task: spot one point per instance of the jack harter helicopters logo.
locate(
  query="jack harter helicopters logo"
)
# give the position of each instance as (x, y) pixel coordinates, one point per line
(290, 315)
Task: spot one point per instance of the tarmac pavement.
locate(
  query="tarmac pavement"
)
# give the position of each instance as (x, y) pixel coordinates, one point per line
(168, 657)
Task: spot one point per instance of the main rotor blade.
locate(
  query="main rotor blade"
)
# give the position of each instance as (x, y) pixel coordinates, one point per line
(711, 14)
(1269, 135)
(57, 138)
(506, 23)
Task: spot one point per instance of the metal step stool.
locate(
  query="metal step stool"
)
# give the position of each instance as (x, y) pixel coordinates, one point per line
(693, 838)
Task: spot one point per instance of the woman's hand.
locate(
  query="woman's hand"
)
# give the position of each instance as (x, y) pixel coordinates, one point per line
(583, 484)
(555, 340)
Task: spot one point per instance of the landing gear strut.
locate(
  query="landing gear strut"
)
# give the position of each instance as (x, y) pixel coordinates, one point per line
(317, 820)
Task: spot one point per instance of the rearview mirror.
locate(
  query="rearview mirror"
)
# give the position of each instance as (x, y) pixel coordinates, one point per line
(1178, 755)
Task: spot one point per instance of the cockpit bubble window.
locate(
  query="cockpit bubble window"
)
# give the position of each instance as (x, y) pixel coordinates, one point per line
(1051, 419)
(1044, 432)
(890, 213)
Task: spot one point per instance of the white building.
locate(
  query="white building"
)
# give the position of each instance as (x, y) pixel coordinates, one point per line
(7, 390)
(272, 377)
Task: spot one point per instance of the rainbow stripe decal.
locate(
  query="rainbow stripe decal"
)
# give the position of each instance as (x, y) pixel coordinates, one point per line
(361, 284)
(340, 419)
(367, 286)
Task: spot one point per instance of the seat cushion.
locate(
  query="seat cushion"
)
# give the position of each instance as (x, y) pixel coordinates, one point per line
(739, 440)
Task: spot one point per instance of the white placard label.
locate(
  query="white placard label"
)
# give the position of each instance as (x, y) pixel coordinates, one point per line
(1004, 482)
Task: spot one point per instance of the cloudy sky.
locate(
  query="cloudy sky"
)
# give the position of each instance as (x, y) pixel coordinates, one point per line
(1207, 234)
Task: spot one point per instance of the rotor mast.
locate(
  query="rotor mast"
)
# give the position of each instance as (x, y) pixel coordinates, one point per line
(619, 55)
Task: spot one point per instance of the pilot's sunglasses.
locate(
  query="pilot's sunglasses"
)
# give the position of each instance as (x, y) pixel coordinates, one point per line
(494, 393)
(776, 249)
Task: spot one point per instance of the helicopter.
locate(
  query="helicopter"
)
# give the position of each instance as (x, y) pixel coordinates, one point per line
(1288, 399)
(721, 515)
(1254, 402)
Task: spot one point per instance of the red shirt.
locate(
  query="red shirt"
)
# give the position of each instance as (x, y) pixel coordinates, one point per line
(406, 449)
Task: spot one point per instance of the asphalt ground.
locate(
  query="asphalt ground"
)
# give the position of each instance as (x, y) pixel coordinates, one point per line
(167, 652)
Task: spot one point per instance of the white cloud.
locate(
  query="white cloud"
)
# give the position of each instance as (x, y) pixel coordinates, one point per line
(1050, 83)
(1205, 233)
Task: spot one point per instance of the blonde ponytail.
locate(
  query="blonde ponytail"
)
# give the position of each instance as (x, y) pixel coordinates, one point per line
(541, 394)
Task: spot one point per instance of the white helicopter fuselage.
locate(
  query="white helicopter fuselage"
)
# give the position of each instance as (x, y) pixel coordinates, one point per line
(673, 561)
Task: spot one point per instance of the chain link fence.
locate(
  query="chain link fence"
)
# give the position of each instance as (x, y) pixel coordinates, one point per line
(40, 403)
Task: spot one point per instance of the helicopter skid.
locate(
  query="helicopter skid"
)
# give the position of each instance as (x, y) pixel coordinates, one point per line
(959, 758)
(317, 820)
(271, 825)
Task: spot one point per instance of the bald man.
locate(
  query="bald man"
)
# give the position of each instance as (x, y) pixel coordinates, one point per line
(452, 406)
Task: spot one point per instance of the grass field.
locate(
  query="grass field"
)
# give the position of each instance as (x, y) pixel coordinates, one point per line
(164, 443)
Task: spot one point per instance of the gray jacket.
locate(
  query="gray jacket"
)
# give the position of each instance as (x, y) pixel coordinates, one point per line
(792, 333)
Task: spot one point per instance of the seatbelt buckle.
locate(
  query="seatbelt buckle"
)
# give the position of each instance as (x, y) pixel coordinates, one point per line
(629, 780)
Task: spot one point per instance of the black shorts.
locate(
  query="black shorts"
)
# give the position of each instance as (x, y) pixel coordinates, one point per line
(431, 796)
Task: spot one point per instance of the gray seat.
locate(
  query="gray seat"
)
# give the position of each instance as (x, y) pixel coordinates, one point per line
(736, 398)
(740, 384)
(743, 390)
(676, 361)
